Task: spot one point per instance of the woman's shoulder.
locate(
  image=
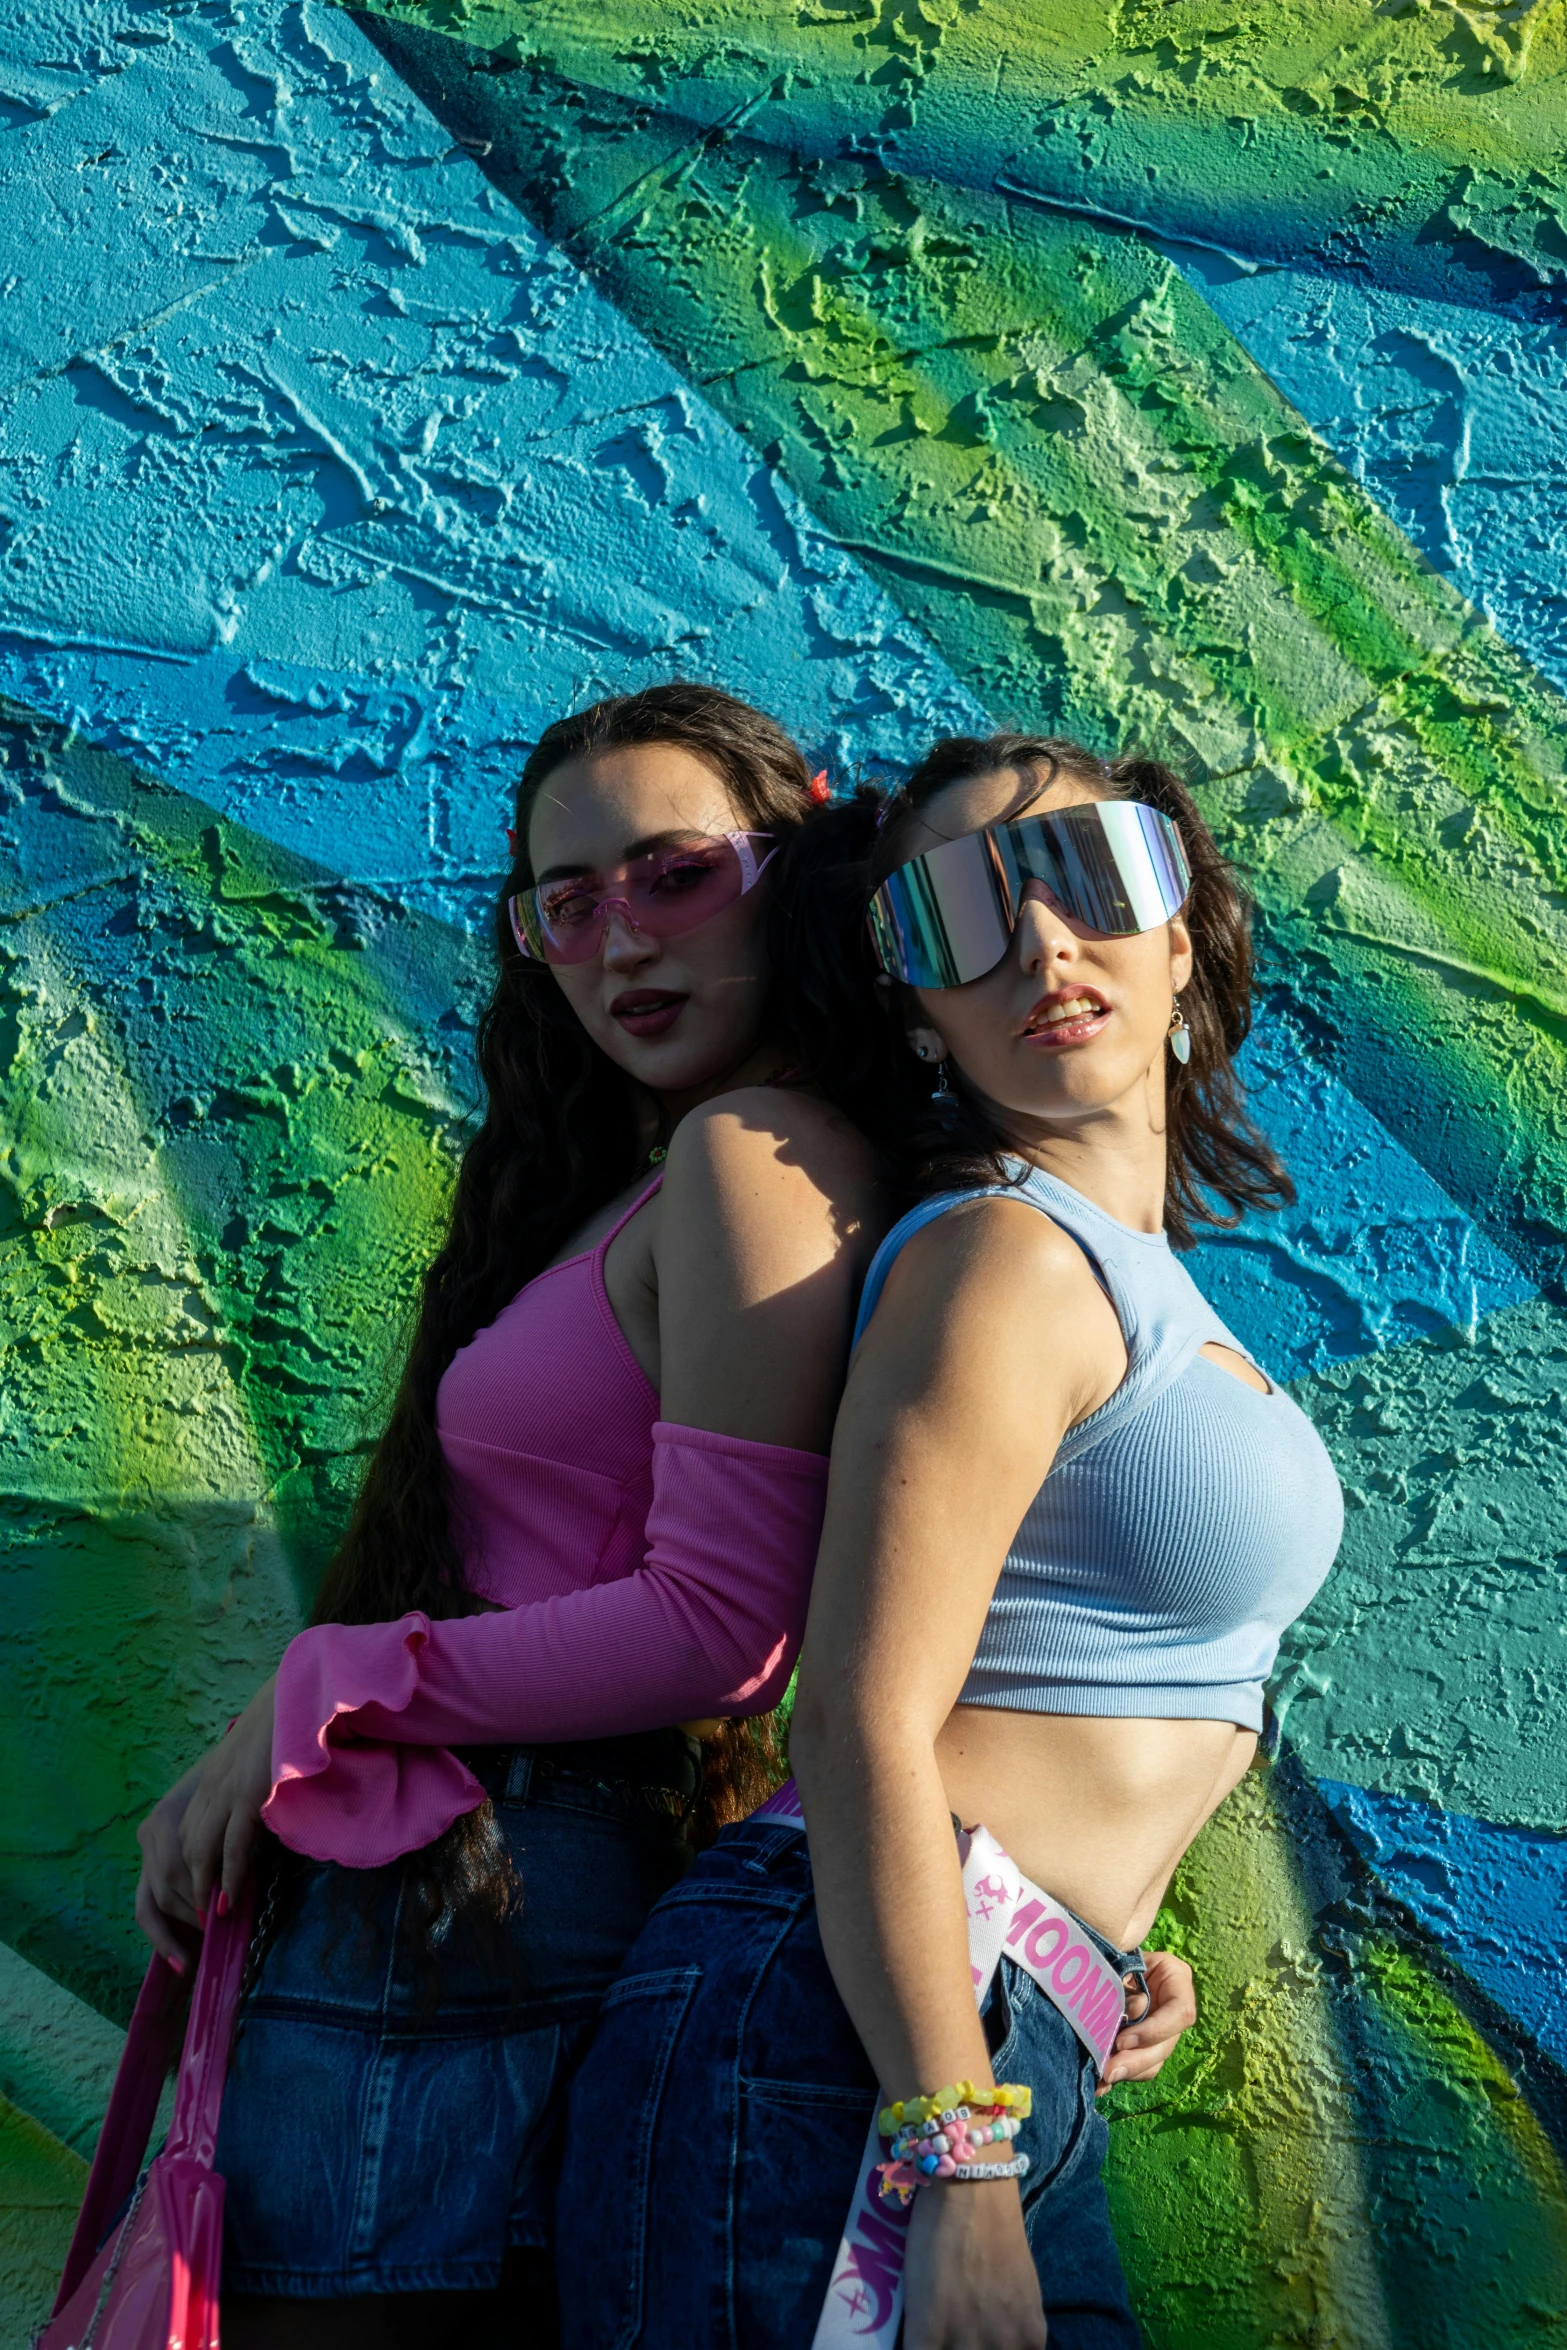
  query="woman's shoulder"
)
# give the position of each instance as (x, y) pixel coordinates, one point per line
(991, 1299)
(787, 1126)
(999, 1237)
(766, 1157)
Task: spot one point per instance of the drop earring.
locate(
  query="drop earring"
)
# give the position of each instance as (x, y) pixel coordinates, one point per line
(1180, 1034)
(943, 1100)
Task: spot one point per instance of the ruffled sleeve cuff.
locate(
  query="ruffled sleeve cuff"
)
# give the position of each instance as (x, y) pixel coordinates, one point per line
(343, 1788)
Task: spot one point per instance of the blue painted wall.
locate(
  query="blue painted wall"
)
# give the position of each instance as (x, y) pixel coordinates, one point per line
(327, 477)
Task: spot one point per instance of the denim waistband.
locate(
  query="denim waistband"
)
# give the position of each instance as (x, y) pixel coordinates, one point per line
(662, 1761)
(780, 1836)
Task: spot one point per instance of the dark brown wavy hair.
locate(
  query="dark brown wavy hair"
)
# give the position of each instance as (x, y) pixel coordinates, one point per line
(562, 1131)
(849, 1034)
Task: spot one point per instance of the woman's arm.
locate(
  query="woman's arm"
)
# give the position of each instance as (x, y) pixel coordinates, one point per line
(762, 1234)
(990, 1339)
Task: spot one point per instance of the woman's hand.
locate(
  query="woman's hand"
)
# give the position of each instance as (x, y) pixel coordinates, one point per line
(165, 1909)
(198, 1839)
(1141, 2048)
(969, 2277)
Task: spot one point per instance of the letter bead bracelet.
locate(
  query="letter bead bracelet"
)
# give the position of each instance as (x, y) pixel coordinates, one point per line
(1005, 2097)
(938, 2137)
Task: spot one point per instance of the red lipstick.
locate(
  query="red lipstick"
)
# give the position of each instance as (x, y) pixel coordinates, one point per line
(647, 1011)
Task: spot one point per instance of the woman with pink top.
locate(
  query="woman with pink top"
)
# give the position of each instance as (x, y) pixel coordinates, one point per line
(593, 1515)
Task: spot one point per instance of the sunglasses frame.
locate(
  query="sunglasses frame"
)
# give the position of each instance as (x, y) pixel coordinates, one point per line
(751, 866)
(907, 912)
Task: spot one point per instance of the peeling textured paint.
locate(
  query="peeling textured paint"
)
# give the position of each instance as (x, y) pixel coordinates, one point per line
(370, 389)
(44, 2182)
(1420, 146)
(1454, 417)
(1346, 2155)
(1069, 472)
(1372, 1255)
(1429, 1663)
(404, 484)
(227, 1139)
(1477, 1889)
(57, 2054)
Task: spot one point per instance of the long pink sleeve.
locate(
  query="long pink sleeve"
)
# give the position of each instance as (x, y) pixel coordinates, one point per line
(710, 1624)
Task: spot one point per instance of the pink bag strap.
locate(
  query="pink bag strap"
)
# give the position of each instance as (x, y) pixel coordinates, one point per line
(151, 2046)
(209, 2035)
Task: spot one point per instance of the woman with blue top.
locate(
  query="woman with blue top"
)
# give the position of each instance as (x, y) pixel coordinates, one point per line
(1067, 1521)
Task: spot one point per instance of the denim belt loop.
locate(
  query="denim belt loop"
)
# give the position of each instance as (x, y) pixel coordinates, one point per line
(519, 1775)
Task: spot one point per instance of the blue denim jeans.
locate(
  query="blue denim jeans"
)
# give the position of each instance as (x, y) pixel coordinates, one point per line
(717, 2123)
(378, 2139)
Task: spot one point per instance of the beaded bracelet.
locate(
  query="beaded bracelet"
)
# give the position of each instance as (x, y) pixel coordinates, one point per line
(925, 2146)
(898, 2180)
(938, 2137)
(1017, 2168)
(1006, 2096)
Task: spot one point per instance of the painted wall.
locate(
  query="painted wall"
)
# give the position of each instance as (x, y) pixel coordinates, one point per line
(372, 387)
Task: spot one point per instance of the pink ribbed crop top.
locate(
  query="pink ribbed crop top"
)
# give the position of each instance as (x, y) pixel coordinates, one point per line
(641, 1573)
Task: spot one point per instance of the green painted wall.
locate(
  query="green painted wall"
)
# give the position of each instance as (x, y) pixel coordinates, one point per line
(373, 386)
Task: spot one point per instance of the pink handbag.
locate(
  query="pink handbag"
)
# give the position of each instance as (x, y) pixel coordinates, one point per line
(154, 2284)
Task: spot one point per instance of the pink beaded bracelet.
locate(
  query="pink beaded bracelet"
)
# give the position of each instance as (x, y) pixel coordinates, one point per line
(939, 2146)
(898, 2180)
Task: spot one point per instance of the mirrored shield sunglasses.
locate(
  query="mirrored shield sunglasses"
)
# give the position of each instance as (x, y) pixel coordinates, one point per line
(946, 917)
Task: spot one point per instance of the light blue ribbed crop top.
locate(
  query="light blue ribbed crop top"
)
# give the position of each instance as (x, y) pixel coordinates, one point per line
(1182, 1525)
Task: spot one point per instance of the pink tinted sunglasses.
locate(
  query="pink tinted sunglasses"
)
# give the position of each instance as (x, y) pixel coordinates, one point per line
(663, 892)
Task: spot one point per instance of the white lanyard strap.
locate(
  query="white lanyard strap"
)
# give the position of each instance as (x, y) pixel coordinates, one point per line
(1007, 1917)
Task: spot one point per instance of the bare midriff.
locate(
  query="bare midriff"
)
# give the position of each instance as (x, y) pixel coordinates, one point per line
(1097, 1810)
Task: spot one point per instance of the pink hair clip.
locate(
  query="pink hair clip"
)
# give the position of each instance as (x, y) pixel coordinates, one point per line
(818, 791)
(511, 840)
